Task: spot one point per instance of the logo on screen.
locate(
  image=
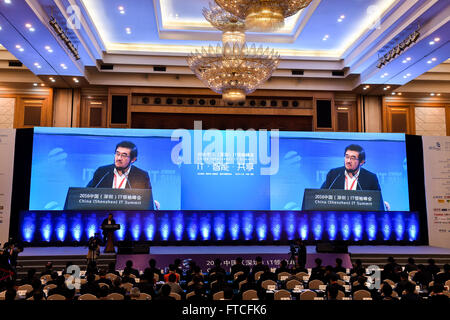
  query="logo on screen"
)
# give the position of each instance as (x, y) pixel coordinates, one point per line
(220, 149)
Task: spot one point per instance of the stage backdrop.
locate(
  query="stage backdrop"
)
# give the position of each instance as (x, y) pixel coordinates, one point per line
(7, 140)
(212, 169)
(436, 153)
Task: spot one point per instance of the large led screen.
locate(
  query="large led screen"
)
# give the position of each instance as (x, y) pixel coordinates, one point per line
(218, 170)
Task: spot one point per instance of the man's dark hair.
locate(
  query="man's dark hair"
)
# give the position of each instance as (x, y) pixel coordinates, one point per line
(386, 290)
(258, 259)
(152, 263)
(438, 288)
(129, 145)
(165, 290)
(172, 277)
(339, 261)
(446, 267)
(129, 264)
(238, 260)
(359, 149)
(411, 260)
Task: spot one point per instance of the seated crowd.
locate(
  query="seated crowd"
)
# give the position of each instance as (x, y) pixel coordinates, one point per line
(410, 282)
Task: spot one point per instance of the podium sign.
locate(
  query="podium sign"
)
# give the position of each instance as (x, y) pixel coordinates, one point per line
(342, 200)
(109, 229)
(108, 199)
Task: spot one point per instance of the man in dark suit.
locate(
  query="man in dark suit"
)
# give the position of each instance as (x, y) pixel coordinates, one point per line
(351, 176)
(109, 220)
(121, 174)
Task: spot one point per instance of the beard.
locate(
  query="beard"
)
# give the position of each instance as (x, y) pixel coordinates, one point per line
(122, 168)
(352, 171)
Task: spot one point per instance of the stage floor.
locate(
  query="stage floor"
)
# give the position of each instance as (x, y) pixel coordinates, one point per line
(185, 250)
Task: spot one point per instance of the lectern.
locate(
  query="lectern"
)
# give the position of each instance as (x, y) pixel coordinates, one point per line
(110, 228)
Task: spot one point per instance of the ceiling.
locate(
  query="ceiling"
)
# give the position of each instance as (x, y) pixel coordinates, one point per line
(133, 36)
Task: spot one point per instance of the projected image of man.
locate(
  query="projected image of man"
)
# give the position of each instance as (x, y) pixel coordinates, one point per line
(352, 176)
(122, 174)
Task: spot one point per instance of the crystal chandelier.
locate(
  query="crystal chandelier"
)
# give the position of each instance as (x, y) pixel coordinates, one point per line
(263, 15)
(234, 69)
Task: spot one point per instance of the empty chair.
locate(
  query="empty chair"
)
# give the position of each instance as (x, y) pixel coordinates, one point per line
(101, 285)
(50, 287)
(115, 296)
(87, 296)
(361, 294)
(237, 274)
(56, 297)
(308, 295)
(341, 275)
(279, 295)
(340, 295)
(314, 284)
(190, 294)
(175, 295)
(218, 295)
(341, 282)
(127, 286)
(28, 288)
(392, 283)
(111, 276)
(292, 283)
(144, 296)
(241, 283)
(447, 283)
(267, 283)
(249, 295)
(258, 274)
(283, 274)
(300, 275)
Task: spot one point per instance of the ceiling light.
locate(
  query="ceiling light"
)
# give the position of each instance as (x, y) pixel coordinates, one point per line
(42, 85)
(388, 87)
(437, 39)
(49, 49)
(429, 61)
(35, 84)
(233, 69)
(7, 1)
(121, 9)
(408, 59)
(432, 94)
(393, 93)
(128, 30)
(433, 59)
(431, 43)
(267, 15)
(76, 80)
(28, 26)
(63, 66)
(438, 94)
(52, 79)
(399, 93)
(408, 74)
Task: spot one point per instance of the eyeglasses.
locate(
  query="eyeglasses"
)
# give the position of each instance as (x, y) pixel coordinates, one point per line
(123, 155)
(352, 158)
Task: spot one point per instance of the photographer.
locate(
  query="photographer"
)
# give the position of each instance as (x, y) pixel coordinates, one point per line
(94, 248)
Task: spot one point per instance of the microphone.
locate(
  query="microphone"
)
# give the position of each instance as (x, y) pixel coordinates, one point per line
(102, 179)
(334, 181)
(128, 182)
(359, 184)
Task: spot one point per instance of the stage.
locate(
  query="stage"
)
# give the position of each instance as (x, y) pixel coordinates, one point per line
(205, 255)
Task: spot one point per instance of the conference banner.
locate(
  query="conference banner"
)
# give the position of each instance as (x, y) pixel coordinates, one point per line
(436, 153)
(7, 139)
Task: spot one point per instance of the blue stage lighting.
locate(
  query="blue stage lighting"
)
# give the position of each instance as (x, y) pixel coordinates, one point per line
(192, 227)
(371, 225)
(219, 226)
(247, 223)
(205, 228)
(290, 225)
(303, 227)
(178, 226)
(317, 226)
(28, 227)
(261, 227)
(165, 227)
(234, 226)
(76, 231)
(345, 226)
(122, 219)
(399, 227)
(413, 226)
(331, 226)
(150, 227)
(357, 227)
(61, 232)
(276, 226)
(386, 227)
